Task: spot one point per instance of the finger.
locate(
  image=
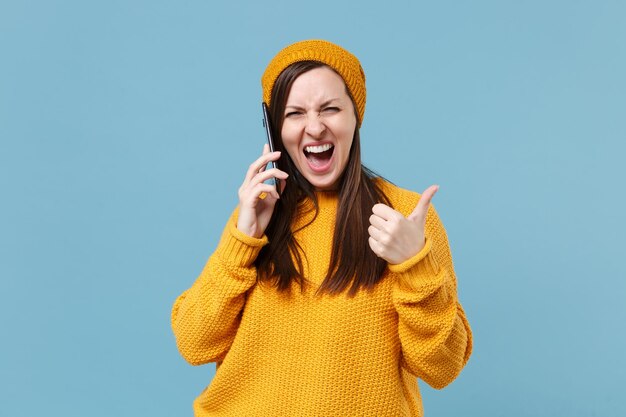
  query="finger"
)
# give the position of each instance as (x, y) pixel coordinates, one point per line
(375, 233)
(259, 165)
(422, 205)
(377, 222)
(263, 188)
(385, 212)
(375, 246)
(266, 175)
(266, 150)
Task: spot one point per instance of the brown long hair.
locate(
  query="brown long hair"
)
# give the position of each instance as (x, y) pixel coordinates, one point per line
(352, 262)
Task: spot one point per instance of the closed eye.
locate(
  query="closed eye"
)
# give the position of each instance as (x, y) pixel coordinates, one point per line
(331, 109)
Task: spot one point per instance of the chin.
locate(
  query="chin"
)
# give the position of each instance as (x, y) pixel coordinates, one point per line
(325, 185)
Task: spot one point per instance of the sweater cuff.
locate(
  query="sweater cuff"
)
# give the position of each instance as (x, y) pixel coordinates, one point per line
(419, 273)
(423, 261)
(237, 248)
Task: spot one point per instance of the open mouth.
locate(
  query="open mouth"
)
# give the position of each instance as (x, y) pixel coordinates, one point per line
(319, 156)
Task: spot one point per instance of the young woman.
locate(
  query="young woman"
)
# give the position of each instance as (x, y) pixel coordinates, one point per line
(333, 296)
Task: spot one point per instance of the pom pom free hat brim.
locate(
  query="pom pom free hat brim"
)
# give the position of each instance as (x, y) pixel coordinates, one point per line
(342, 61)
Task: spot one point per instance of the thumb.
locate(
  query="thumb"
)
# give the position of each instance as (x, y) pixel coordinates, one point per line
(419, 212)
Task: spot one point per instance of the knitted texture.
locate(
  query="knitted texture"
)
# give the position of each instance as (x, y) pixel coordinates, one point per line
(342, 61)
(300, 354)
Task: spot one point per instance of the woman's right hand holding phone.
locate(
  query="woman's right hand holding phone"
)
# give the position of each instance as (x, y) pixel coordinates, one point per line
(257, 199)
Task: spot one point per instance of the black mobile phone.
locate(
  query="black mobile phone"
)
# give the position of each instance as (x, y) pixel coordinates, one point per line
(268, 132)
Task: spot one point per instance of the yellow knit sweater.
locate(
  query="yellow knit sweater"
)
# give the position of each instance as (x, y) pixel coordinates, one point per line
(303, 355)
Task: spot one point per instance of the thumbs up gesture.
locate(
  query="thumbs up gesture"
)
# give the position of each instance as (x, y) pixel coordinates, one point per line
(396, 238)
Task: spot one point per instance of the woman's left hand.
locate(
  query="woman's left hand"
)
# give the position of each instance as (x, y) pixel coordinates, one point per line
(396, 238)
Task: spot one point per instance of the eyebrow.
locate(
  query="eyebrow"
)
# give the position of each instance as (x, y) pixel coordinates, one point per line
(324, 104)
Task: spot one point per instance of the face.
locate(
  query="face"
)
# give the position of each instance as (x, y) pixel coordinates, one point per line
(318, 127)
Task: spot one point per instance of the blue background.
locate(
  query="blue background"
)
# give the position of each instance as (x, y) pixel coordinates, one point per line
(126, 128)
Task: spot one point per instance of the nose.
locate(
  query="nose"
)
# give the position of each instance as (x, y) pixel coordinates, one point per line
(314, 126)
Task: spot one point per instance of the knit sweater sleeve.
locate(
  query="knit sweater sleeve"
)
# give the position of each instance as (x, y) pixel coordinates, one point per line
(434, 333)
(205, 318)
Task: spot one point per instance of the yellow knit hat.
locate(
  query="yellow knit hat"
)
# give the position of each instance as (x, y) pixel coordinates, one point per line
(342, 61)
